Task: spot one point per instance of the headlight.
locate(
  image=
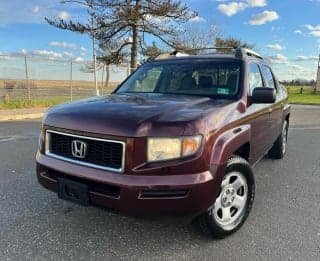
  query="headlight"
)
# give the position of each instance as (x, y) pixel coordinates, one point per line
(172, 148)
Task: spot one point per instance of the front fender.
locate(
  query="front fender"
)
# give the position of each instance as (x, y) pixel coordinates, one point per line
(228, 142)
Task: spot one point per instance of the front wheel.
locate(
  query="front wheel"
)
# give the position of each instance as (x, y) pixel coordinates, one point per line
(233, 203)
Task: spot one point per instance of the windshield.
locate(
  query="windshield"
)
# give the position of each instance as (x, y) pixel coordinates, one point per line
(204, 78)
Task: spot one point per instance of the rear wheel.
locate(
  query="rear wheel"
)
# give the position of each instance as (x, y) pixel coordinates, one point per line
(233, 203)
(279, 148)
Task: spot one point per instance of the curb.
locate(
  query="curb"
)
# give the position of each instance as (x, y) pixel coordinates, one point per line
(312, 104)
(21, 116)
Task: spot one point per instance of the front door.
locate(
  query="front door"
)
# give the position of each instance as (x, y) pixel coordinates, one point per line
(259, 116)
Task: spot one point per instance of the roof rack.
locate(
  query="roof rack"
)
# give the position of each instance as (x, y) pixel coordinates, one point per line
(168, 55)
(240, 52)
(226, 48)
(243, 52)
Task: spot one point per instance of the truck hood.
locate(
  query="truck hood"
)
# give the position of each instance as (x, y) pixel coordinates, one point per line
(134, 115)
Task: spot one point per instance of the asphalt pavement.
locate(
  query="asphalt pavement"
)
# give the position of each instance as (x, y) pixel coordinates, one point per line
(284, 223)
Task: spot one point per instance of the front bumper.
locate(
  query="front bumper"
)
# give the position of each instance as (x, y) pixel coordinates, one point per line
(188, 194)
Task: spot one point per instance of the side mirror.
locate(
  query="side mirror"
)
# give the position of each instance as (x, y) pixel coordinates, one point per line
(263, 95)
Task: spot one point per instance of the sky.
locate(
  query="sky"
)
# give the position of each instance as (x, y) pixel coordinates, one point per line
(287, 32)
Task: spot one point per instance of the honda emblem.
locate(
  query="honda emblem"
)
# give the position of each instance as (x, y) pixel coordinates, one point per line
(79, 149)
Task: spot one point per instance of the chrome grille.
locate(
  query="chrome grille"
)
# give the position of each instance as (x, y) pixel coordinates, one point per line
(100, 153)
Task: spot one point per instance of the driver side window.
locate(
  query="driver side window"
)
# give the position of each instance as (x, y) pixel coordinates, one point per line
(255, 78)
(148, 80)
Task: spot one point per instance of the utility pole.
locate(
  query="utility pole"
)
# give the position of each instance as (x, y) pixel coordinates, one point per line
(318, 77)
(27, 77)
(94, 59)
(71, 85)
(102, 78)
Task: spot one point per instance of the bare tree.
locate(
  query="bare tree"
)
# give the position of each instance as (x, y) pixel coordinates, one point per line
(115, 20)
(194, 37)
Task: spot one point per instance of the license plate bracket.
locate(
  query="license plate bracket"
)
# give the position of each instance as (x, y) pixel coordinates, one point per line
(73, 191)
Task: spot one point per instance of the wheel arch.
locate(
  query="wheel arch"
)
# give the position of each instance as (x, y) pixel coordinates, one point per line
(244, 151)
(234, 141)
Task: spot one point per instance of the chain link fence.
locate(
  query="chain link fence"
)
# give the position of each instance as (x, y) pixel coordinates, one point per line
(38, 78)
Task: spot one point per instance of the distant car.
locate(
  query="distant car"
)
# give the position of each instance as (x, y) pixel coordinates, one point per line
(179, 136)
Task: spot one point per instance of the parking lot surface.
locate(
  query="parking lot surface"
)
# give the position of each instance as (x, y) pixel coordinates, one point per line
(284, 223)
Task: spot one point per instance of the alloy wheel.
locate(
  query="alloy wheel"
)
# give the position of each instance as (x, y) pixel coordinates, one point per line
(231, 202)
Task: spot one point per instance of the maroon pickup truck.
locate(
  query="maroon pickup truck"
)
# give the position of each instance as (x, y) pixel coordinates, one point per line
(179, 136)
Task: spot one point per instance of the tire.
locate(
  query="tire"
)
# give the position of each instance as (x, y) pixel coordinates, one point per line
(279, 148)
(233, 203)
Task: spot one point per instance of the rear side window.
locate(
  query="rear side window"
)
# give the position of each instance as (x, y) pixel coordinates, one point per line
(268, 76)
(255, 78)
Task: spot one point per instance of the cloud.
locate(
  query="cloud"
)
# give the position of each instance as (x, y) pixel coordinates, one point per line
(257, 3)
(315, 33)
(197, 19)
(79, 59)
(281, 57)
(68, 54)
(63, 45)
(35, 9)
(314, 30)
(232, 8)
(275, 28)
(301, 72)
(298, 32)
(287, 68)
(156, 19)
(302, 58)
(17, 11)
(44, 54)
(64, 15)
(47, 54)
(278, 59)
(264, 17)
(276, 47)
(6, 57)
(52, 55)
(71, 46)
(296, 67)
